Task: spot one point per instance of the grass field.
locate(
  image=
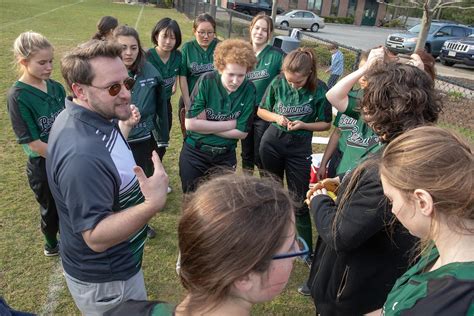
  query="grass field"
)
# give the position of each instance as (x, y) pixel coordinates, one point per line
(28, 280)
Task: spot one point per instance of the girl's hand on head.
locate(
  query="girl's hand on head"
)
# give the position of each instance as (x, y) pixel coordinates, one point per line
(375, 55)
(416, 61)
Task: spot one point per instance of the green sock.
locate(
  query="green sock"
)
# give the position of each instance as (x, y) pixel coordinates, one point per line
(304, 229)
(51, 241)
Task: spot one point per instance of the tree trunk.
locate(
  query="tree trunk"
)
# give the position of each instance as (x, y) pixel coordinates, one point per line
(274, 10)
(425, 26)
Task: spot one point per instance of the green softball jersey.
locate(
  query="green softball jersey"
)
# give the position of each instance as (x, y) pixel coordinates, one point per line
(212, 97)
(32, 111)
(168, 70)
(361, 141)
(448, 290)
(148, 95)
(345, 124)
(269, 62)
(195, 61)
(297, 104)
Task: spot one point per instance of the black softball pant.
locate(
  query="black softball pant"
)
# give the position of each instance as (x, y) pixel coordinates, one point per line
(251, 144)
(142, 152)
(289, 155)
(195, 165)
(38, 180)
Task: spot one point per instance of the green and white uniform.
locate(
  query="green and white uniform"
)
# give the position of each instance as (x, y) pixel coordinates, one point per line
(195, 61)
(168, 70)
(269, 62)
(148, 95)
(448, 290)
(32, 113)
(362, 139)
(201, 152)
(288, 153)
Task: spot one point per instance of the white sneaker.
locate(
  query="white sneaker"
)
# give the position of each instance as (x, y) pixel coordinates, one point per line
(169, 190)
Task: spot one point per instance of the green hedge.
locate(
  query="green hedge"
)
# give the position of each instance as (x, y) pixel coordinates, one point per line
(339, 19)
(323, 55)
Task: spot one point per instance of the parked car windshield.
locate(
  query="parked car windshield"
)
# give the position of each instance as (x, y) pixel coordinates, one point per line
(417, 28)
(289, 13)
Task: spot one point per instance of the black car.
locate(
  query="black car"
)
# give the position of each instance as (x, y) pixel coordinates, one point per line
(460, 51)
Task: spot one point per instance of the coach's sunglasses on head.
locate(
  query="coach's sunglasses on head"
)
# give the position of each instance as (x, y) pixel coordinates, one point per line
(116, 87)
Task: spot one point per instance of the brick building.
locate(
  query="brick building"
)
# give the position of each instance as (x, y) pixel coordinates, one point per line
(365, 12)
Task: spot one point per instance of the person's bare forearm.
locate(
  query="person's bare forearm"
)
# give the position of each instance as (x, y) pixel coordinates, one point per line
(331, 147)
(338, 95)
(267, 115)
(39, 147)
(317, 126)
(183, 85)
(233, 134)
(118, 227)
(209, 127)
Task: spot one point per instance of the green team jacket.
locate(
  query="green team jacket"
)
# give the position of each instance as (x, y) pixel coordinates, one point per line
(148, 95)
(211, 96)
(195, 61)
(32, 112)
(448, 290)
(168, 71)
(361, 140)
(269, 62)
(297, 104)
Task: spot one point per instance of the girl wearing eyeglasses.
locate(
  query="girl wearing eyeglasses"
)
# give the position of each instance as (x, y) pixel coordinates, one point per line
(197, 57)
(34, 102)
(148, 95)
(221, 110)
(295, 104)
(269, 61)
(233, 254)
(428, 176)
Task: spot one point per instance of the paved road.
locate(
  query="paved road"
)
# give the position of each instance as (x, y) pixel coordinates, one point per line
(367, 37)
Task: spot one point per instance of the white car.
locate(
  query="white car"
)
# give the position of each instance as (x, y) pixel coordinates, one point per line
(300, 19)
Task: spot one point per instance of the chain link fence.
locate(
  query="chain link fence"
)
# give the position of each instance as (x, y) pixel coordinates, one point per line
(457, 94)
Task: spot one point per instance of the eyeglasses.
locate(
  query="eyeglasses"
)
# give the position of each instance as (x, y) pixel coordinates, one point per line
(202, 34)
(302, 250)
(117, 87)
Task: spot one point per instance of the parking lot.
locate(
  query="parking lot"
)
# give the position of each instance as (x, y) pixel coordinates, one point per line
(367, 37)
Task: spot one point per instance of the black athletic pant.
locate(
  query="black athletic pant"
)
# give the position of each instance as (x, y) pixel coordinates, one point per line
(290, 155)
(142, 152)
(182, 116)
(195, 164)
(38, 180)
(170, 115)
(251, 145)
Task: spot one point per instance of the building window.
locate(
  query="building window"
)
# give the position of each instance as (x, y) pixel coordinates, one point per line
(352, 8)
(293, 4)
(334, 7)
(315, 6)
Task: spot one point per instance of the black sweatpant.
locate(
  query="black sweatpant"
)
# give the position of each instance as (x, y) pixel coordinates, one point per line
(38, 180)
(251, 145)
(195, 164)
(142, 152)
(289, 155)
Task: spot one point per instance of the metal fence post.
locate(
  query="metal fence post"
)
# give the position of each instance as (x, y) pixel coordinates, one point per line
(229, 32)
(196, 5)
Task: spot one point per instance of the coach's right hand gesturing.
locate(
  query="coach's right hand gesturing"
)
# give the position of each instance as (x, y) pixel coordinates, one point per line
(154, 188)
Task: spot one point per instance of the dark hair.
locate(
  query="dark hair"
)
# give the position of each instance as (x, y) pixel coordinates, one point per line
(398, 97)
(333, 46)
(231, 226)
(266, 18)
(125, 30)
(75, 65)
(169, 26)
(303, 61)
(204, 17)
(105, 25)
